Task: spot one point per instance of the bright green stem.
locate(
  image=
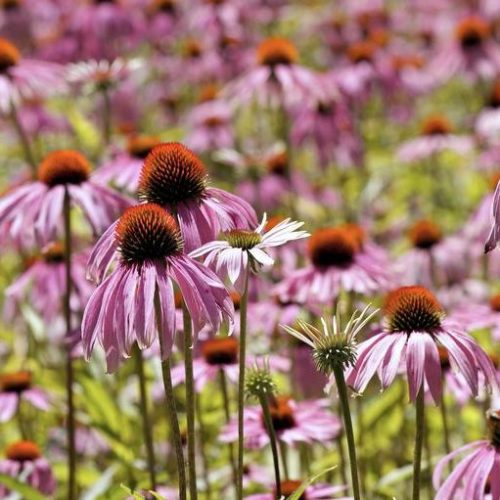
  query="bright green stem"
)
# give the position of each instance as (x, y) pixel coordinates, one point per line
(170, 403)
(346, 414)
(147, 428)
(190, 401)
(419, 440)
(241, 381)
(70, 376)
(227, 413)
(268, 421)
(23, 139)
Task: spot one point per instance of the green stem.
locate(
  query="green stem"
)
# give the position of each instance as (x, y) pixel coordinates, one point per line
(201, 444)
(340, 448)
(346, 414)
(284, 461)
(241, 381)
(419, 439)
(268, 421)
(70, 376)
(190, 403)
(170, 403)
(227, 413)
(23, 139)
(446, 428)
(146, 421)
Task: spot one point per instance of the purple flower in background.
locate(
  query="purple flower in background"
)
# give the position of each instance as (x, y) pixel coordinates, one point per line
(33, 211)
(294, 422)
(24, 461)
(16, 387)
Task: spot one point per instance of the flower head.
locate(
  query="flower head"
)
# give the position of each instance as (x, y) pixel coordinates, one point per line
(259, 382)
(33, 211)
(274, 51)
(478, 472)
(136, 302)
(241, 248)
(175, 178)
(415, 327)
(333, 346)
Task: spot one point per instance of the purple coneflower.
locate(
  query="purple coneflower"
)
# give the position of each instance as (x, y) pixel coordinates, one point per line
(436, 136)
(294, 422)
(22, 78)
(15, 387)
(476, 475)
(147, 246)
(35, 208)
(338, 262)
(124, 170)
(221, 354)
(24, 460)
(415, 325)
(277, 79)
(44, 283)
(175, 178)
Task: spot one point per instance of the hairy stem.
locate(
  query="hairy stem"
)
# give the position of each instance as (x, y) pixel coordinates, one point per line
(273, 441)
(419, 439)
(170, 403)
(146, 420)
(241, 381)
(70, 376)
(346, 414)
(190, 401)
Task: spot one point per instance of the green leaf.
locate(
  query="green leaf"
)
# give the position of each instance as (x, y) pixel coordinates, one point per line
(298, 493)
(131, 492)
(19, 487)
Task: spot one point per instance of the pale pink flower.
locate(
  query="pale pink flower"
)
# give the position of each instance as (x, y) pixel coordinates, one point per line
(242, 249)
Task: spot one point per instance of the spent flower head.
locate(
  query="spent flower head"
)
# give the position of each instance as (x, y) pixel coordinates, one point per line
(259, 381)
(333, 346)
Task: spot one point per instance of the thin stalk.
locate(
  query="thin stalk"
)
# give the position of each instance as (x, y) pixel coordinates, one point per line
(190, 401)
(361, 433)
(284, 461)
(203, 454)
(268, 421)
(146, 420)
(346, 414)
(106, 117)
(340, 449)
(170, 403)
(241, 380)
(227, 413)
(70, 376)
(446, 428)
(23, 139)
(419, 440)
